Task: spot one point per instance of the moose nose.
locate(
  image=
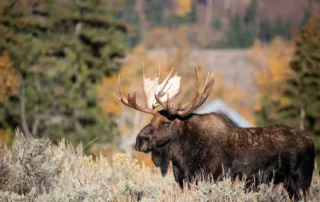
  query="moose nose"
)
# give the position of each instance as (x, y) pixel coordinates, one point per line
(141, 147)
(142, 143)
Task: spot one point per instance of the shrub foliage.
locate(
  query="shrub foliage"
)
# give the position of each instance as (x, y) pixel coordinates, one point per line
(37, 170)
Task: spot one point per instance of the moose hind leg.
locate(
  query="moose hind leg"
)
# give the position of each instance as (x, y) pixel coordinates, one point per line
(293, 190)
(303, 178)
(303, 172)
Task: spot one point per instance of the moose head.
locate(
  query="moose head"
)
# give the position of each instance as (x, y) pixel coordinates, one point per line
(166, 124)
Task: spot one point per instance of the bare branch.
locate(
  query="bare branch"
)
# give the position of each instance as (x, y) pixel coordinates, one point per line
(24, 122)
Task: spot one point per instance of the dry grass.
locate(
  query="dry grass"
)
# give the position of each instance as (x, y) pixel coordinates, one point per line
(37, 170)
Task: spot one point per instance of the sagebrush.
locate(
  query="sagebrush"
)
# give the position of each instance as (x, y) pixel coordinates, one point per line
(37, 170)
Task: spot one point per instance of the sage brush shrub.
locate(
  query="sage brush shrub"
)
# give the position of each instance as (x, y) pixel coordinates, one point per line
(35, 170)
(30, 163)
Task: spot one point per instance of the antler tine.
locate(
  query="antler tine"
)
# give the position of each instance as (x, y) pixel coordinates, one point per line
(131, 100)
(166, 81)
(160, 93)
(190, 107)
(206, 91)
(144, 90)
(170, 110)
(122, 98)
(199, 97)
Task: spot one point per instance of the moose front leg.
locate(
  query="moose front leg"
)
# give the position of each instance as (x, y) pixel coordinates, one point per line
(160, 159)
(178, 176)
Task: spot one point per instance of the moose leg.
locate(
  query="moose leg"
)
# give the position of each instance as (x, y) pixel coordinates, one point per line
(302, 174)
(160, 159)
(178, 176)
(293, 190)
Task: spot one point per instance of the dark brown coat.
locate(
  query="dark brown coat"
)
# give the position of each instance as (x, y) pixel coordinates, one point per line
(211, 146)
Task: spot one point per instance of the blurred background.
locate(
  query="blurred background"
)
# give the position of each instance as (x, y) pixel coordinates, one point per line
(60, 61)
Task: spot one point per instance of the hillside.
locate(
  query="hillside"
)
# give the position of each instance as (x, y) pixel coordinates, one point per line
(286, 10)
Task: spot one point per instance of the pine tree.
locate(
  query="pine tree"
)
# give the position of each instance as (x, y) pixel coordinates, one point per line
(302, 85)
(156, 12)
(61, 52)
(300, 94)
(251, 13)
(240, 35)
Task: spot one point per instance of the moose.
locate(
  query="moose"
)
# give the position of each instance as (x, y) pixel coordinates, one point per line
(209, 145)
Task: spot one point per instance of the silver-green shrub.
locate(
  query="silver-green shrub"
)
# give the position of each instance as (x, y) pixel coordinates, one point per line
(35, 170)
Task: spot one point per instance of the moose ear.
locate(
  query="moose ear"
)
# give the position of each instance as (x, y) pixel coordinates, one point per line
(160, 159)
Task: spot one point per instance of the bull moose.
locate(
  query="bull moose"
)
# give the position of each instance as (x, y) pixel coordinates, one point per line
(209, 145)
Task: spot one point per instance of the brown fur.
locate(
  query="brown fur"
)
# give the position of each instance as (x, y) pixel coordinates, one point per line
(210, 145)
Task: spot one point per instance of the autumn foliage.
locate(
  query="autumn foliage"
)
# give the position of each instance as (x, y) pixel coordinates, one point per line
(9, 81)
(272, 62)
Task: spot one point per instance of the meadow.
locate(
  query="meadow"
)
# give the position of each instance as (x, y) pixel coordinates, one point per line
(38, 170)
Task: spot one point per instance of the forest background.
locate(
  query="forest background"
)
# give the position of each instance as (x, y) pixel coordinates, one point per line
(60, 61)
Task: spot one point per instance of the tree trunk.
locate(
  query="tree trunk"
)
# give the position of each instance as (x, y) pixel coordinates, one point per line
(24, 122)
(302, 118)
(201, 11)
(140, 6)
(209, 8)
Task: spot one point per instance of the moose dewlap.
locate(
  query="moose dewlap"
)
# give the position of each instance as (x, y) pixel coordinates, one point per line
(211, 146)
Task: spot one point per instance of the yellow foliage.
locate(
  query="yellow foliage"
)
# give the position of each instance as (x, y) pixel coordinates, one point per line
(4, 136)
(273, 63)
(143, 159)
(233, 95)
(125, 160)
(185, 36)
(183, 7)
(9, 81)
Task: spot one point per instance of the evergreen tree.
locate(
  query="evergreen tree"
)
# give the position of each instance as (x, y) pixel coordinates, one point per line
(300, 89)
(268, 114)
(60, 52)
(302, 86)
(265, 30)
(281, 29)
(239, 34)
(156, 12)
(251, 12)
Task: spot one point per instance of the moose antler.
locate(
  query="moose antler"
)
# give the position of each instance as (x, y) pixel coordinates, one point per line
(131, 100)
(198, 99)
(169, 88)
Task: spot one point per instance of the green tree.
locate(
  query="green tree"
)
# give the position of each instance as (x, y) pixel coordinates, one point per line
(242, 30)
(300, 88)
(61, 52)
(156, 12)
(282, 29)
(302, 85)
(239, 35)
(251, 12)
(268, 114)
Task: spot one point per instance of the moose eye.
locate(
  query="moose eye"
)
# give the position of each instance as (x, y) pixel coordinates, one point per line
(166, 123)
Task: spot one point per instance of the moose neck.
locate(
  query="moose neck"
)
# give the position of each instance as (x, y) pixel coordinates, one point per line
(198, 133)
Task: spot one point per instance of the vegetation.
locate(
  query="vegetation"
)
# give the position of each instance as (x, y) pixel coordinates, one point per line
(59, 63)
(37, 170)
(59, 53)
(238, 30)
(299, 102)
(301, 85)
